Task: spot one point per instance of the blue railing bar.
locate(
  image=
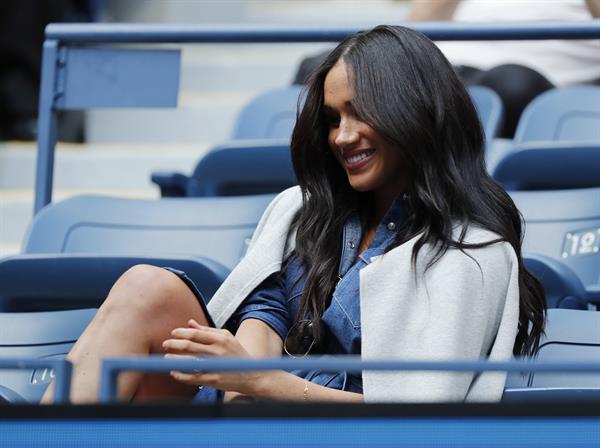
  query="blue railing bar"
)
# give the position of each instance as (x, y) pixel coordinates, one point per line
(111, 367)
(163, 33)
(62, 373)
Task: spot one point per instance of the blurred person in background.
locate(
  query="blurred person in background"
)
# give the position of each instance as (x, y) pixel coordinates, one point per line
(517, 70)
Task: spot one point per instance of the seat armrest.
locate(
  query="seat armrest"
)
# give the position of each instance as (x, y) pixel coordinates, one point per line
(593, 294)
(170, 184)
(66, 281)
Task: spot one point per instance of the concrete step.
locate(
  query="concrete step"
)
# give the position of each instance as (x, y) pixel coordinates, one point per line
(199, 117)
(98, 165)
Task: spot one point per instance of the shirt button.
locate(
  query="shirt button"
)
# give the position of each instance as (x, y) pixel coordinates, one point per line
(391, 226)
(351, 244)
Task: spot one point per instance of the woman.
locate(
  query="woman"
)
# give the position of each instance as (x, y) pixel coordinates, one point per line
(396, 245)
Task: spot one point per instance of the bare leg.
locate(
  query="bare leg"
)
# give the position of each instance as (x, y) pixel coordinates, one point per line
(142, 308)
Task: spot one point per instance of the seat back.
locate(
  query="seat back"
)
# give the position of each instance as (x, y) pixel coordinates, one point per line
(562, 286)
(570, 336)
(490, 109)
(270, 115)
(546, 166)
(565, 114)
(564, 225)
(48, 334)
(248, 168)
(216, 228)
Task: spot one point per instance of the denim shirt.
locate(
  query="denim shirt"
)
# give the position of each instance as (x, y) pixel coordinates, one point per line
(276, 301)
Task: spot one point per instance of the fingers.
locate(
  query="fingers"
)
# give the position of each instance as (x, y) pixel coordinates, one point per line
(193, 324)
(207, 379)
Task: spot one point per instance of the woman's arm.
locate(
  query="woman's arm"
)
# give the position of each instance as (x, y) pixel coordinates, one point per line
(254, 338)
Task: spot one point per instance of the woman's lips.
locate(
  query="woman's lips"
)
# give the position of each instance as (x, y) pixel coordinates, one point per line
(358, 159)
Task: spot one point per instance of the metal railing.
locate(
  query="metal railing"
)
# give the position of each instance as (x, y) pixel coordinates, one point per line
(61, 367)
(112, 367)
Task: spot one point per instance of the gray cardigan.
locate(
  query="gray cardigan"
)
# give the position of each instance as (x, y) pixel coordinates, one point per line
(464, 307)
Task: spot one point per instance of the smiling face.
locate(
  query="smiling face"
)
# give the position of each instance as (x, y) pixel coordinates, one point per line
(371, 163)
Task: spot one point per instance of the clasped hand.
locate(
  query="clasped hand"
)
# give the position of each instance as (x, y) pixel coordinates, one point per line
(200, 341)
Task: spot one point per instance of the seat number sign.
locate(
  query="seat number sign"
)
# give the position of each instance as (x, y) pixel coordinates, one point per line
(584, 242)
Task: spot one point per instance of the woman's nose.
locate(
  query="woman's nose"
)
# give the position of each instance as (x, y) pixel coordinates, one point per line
(347, 134)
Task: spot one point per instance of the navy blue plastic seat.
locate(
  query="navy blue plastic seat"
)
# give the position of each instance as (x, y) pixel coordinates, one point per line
(569, 114)
(565, 225)
(264, 124)
(270, 115)
(570, 335)
(234, 169)
(490, 109)
(550, 166)
(559, 120)
(556, 144)
(563, 290)
(563, 287)
(215, 228)
(40, 335)
(76, 249)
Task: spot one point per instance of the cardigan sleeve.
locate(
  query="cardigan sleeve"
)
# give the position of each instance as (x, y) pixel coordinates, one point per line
(464, 307)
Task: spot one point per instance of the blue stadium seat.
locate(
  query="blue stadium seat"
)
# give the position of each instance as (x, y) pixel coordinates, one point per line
(569, 114)
(490, 109)
(41, 335)
(563, 287)
(571, 335)
(234, 169)
(77, 248)
(65, 281)
(264, 124)
(559, 119)
(565, 225)
(549, 166)
(215, 228)
(270, 115)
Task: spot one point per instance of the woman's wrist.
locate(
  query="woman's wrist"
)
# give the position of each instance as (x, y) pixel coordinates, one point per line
(262, 384)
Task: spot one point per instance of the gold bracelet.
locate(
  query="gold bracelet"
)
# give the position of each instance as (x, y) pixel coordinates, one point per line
(305, 392)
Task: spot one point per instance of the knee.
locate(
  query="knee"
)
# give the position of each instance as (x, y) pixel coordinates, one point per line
(145, 290)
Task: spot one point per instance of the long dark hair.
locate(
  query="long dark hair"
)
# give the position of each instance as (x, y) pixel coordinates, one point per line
(408, 92)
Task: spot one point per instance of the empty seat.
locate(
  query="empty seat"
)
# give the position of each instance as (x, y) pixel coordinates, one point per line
(40, 335)
(490, 109)
(559, 120)
(76, 249)
(264, 124)
(216, 228)
(562, 286)
(549, 166)
(564, 225)
(234, 169)
(569, 114)
(270, 115)
(570, 336)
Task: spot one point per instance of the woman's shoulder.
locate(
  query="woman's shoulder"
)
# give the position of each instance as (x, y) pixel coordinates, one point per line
(489, 253)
